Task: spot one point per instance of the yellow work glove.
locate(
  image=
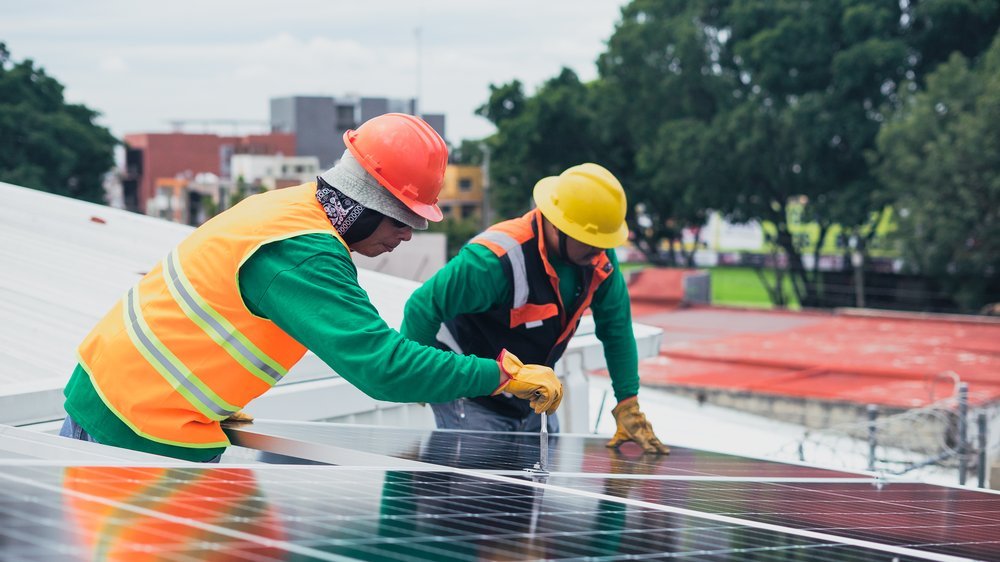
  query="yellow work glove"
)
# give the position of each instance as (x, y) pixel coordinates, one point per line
(239, 417)
(633, 426)
(535, 383)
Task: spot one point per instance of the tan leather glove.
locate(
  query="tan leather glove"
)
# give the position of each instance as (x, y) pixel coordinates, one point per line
(536, 383)
(239, 417)
(633, 426)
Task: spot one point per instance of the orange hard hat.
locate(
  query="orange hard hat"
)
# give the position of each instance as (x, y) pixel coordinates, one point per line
(406, 156)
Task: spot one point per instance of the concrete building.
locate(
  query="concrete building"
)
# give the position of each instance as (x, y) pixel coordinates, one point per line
(150, 156)
(274, 171)
(319, 122)
(188, 200)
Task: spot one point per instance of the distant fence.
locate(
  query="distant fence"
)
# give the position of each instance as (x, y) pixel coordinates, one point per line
(885, 290)
(883, 287)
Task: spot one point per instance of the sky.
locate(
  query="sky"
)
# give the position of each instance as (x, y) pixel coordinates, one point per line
(145, 64)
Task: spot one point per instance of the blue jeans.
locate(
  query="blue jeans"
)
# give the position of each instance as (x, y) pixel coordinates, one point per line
(466, 414)
(73, 430)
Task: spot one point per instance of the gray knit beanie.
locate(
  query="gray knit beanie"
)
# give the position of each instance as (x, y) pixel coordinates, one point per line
(354, 181)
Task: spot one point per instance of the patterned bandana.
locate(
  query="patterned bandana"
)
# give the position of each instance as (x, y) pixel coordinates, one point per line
(341, 209)
(352, 220)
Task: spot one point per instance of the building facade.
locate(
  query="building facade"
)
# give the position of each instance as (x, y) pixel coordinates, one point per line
(319, 122)
(150, 156)
(462, 195)
(273, 171)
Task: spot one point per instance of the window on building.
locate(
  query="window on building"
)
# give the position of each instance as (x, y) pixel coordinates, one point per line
(164, 200)
(468, 211)
(464, 184)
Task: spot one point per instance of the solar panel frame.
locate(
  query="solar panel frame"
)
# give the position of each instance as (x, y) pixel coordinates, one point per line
(502, 452)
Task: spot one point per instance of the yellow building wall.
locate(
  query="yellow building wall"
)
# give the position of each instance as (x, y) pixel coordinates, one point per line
(462, 193)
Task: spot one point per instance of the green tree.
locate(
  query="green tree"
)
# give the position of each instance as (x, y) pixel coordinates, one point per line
(46, 143)
(660, 85)
(537, 136)
(744, 106)
(469, 153)
(940, 159)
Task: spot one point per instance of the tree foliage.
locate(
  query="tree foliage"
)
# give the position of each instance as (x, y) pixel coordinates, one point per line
(739, 106)
(939, 156)
(659, 87)
(46, 143)
(768, 101)
(537, 136)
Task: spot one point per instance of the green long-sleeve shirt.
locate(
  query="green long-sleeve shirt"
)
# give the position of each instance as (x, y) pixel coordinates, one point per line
(307, 285)
(474, 281)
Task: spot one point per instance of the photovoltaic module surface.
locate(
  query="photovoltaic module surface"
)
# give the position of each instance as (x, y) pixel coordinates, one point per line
(335, 513)
(404, 494)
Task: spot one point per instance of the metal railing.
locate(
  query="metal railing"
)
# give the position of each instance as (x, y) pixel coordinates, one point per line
(937, 435)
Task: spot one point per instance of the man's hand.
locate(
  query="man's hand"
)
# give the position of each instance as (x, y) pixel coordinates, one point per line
(239, 417)
(535, 383)
(633, 426)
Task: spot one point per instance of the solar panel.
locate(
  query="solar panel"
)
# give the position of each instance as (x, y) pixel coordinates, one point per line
(23, 446)
(408, 494)
(952, 521)
(337, 513)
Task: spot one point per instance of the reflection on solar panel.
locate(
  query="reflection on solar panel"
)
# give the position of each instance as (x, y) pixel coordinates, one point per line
(438, 495)
(933, 518)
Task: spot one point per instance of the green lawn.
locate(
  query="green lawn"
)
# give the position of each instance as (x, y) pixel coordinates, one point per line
(740, 286)
(734, 286)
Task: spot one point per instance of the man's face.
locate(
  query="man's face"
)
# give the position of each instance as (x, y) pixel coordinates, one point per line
(580, 253)
(389, 234)
(577, 252)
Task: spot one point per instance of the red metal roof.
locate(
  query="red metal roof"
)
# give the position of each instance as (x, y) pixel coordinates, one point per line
(893, 361)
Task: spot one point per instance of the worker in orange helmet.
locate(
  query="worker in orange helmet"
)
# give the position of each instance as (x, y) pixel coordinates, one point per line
(237, 303)
(523, 285)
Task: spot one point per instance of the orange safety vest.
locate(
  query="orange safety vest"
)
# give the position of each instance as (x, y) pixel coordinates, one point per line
(181, 351)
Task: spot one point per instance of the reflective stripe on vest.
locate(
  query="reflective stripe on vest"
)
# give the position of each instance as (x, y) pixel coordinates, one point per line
(218, 328)
(169, 366)
(519, 275)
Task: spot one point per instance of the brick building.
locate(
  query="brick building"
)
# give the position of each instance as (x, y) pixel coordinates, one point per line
(150, 156)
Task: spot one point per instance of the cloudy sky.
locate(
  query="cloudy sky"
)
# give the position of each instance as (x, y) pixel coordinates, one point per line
(144, 64)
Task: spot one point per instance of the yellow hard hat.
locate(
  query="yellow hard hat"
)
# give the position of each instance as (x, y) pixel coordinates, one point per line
(587, 203)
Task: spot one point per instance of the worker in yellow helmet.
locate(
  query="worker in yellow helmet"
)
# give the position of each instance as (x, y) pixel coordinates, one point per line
(224, 316)
(523, 285)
